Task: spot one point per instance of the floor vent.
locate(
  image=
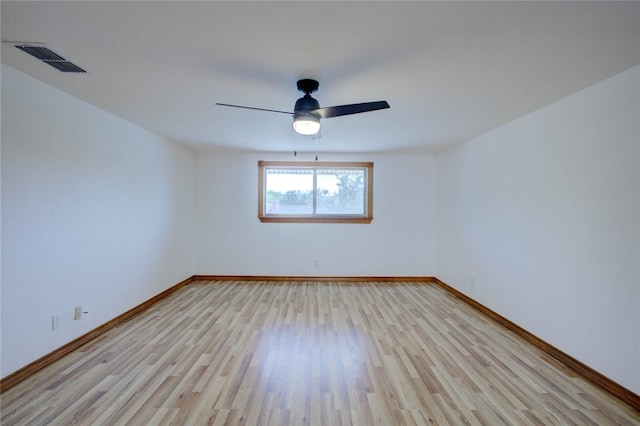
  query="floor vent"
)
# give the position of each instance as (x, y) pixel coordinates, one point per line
(51, 58)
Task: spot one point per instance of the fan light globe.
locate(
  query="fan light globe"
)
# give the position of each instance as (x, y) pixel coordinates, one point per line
(306, 125)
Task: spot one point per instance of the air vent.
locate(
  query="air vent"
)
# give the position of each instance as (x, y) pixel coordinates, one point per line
(51, 58)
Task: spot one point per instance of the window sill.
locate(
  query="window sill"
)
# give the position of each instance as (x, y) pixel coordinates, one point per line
(299, 219)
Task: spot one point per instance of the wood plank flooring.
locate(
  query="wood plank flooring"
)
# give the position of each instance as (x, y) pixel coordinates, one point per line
(318, 353)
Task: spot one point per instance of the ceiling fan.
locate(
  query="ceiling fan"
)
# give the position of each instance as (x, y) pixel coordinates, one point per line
(307, 112)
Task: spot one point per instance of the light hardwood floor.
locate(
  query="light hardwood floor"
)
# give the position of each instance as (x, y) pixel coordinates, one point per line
(271, 353)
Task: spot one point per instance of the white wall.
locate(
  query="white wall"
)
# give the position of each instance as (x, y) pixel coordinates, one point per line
(231, 240)
(96, 212)
(540, 221)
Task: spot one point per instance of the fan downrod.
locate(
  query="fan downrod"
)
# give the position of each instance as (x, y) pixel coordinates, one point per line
(308, 86)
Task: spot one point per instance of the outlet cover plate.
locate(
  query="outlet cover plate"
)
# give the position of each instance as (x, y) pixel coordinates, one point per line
(55, 321)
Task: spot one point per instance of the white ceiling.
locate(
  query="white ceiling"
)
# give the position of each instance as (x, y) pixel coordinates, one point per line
(449, 70)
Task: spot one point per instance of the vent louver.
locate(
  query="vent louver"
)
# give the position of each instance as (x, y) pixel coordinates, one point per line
(51, 58)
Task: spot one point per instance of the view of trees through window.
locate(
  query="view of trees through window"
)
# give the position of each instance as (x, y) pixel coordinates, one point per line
(315, 191)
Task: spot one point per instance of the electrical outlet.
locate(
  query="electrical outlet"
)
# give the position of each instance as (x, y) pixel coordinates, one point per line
(77, 313)
(55, 321)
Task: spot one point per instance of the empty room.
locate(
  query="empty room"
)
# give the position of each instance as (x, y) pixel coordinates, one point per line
(319, 212)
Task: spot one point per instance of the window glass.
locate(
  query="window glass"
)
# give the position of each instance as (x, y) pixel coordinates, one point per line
(341, 191)
(289, 191)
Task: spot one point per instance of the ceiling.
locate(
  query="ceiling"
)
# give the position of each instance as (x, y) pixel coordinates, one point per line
(449, 70)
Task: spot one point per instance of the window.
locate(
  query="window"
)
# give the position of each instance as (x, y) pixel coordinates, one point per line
(315, 192)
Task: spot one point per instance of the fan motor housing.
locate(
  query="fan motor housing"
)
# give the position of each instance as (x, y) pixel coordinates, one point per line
(306, 103)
